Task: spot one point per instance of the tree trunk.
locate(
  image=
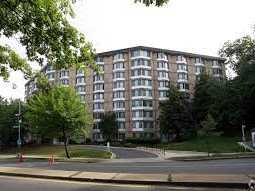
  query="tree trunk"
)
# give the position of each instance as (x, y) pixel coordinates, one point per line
(65, 143)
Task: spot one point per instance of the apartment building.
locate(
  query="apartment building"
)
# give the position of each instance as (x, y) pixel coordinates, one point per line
(131, 84)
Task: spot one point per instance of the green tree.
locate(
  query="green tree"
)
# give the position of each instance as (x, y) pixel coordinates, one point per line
(59, 113)
(207, 130)
(240, 54)
(202, 98)
(108, 126)
(8, 119)
(43, 29)
(175, 115)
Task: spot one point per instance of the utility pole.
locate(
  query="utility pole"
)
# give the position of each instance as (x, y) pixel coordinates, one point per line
(19, 118)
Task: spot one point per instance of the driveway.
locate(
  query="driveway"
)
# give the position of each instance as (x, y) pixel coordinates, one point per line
(125, 153)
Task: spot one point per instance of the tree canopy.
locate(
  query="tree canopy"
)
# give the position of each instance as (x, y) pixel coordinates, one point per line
(59, 113)
(43, 29)
(175, 115)
(108, 126)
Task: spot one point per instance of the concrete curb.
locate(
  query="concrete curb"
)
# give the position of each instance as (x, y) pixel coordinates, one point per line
(236, 185)
(209, 158)
(58, 159)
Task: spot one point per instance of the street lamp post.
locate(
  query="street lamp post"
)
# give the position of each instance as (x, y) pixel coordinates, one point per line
(14, 86)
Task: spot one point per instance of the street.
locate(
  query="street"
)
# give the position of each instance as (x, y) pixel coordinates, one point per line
(230, 166)
(26, 184)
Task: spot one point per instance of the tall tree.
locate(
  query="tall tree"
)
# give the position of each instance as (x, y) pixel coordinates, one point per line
(59, 113)
(175, 116)
(202, 98)
(207, 130)
(8, 120)
(108, 126)
(240, 54)
(43, 29)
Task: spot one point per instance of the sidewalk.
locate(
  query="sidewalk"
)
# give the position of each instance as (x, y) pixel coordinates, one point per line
(46, 157)
(193, 155)
(197, 180)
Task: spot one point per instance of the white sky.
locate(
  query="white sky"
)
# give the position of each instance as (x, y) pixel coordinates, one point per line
(199, 26)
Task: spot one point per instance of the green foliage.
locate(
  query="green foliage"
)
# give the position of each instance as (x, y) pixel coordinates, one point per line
(217, 144)
(8, 119)
(208, 126)
(157, 3)
(108, 126)
(238, 52)
(59, 113)
(9, 59)
(175, 116)
(41, 26)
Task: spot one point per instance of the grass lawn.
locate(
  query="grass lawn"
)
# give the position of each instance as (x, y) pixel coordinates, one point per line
(59, 151)
(217, 144)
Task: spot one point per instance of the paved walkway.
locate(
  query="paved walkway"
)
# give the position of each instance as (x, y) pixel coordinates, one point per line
(186, 179)
(168, 154)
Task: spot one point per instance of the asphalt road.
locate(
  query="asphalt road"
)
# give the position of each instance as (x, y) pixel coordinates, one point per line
(231, 166)
(25, 184)
(125, 153)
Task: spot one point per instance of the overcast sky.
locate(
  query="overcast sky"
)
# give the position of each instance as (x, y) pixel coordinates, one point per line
(198, 26)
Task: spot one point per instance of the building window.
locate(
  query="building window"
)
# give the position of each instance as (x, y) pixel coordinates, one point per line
(217, 71)
(99, 59)
(98, 115)
(161, 55)
(200, 69)
(183, 86)
(119, 94)
(141, 82)
(163, 84)
(180, 58)
(118, 65)
(140, 72)
(98, 87)
(162, 64)
(140, 62)
(198, 60)
(118, 84)
(121, 125)
(141, 92)
(182, 67)
(98, 106)
(138, 53)
(162, 74)
(80, 89)
(49, 68)
(98, 96)
(82, 98)
(118, 104)
(119, 56)
(98, 78)
(182, 76)
(120, 115)
(163, 93)
(65, 82)
(80, 80)
(137, 124)
(51, 76)
(118, 75)
(64, 73)
(141, 103)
